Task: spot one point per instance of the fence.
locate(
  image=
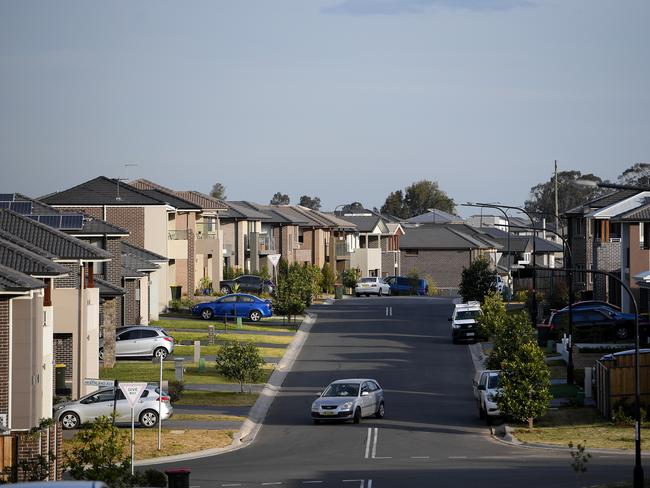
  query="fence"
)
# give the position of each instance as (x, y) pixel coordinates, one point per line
(615, 382)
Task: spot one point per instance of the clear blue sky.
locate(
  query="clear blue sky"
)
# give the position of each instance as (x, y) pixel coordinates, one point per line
(343, 99)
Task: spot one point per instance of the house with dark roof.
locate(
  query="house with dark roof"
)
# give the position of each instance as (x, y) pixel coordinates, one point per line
(71, 301)
(595, 237)
(157, 220)
(443, 250)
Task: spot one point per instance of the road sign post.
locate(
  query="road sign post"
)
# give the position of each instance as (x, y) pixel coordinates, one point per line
(133, 392)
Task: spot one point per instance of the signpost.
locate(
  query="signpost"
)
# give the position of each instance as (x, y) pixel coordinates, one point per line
(132, 393)
(274, 259)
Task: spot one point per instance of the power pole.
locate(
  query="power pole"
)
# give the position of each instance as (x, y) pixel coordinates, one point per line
(557, 215)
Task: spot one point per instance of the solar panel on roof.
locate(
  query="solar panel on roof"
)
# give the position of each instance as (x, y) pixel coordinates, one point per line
(6, 197)
(74, 221)
(53, 221)
(24, 208)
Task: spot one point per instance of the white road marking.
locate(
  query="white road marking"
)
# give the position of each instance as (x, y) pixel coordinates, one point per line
(311, 482)
(419, 457)
(232, 484)
(457, 457)
(368, 442)
(369, 485)
(374, 443)
(272, 483)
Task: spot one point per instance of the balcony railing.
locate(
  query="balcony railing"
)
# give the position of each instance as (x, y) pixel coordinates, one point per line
(177, 235)
(265, 241)
(342, 250)
(206, 231)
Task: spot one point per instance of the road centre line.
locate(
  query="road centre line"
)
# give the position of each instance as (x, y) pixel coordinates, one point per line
(368, 442)
(420, 457)
(272, 483)
(457, 457)
(311, 482)
(374, 443)
(362, 483)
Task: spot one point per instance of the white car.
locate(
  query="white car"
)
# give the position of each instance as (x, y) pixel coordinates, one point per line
(372, 286)
(350, 399)
(463, 321)
(486, 387)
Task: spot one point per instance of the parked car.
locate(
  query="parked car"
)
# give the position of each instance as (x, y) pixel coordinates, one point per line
(595, 304)
(592, 324)
(100, 403)
(463, 321)
(140, 340)
(401, 285)
(486, 387)
(371, 286)
(234, 305)
(349, 399)
(248, 284)
(499, 284)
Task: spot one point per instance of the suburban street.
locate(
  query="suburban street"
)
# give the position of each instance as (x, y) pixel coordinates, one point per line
(431, 435)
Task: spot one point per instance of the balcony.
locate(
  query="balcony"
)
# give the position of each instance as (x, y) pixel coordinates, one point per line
(206, 231)
(266, 243)
(342, 251)
(177, 235)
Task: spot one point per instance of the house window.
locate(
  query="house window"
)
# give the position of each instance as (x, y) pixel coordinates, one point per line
(301, 237)
(579, 227)
(596, 229)
(614, 230)
(644, 233)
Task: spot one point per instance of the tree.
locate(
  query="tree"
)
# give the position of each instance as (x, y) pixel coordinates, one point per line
(350, 277)
(394, 205)
(510, 332)
(100, 453)
(636, 175)
(417, 199)
(309, 202)
(570, 194)
(354, 207)
(240, 362)
(294, 290)
(218, 191)
(477, 280)
(493, 315)
(524, 385)
(280, 199)
(328, 279)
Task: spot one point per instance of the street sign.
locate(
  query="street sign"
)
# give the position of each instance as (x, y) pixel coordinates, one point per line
(98, 382)
(132, 391)
(274, 259)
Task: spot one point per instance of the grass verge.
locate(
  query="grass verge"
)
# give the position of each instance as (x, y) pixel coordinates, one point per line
(203, 324)
(216, 399)
(197, 417)
(188, 351)
(234, 337)
(578, 425)
(173, 441)
(143, 371)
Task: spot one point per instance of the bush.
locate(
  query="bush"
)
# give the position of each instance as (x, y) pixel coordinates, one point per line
(493, 315)
(433, 286)
(328, 279)
(174, 305)
(240, 362)
(477, 280)
(350, 277)
(175, 390)
(521, 295)
(151, 477)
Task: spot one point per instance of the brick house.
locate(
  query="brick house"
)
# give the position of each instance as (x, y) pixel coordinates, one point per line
(25, 387)
(442, 251)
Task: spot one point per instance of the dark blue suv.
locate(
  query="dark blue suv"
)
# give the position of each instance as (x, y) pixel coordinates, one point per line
(401, 285)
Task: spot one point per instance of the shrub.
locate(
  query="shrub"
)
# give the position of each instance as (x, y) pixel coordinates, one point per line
(175, 390)
(151, 477)
(328, 279)
(433, 286)
(477, 280)
(240, 362)
(521, 295)
(493, 315)
(174, 305)
(350, 277)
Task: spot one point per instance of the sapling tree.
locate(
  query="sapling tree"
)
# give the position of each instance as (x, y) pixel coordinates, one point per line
(240, 362)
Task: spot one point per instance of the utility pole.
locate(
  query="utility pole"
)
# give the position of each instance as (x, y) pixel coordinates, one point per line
(557, 214)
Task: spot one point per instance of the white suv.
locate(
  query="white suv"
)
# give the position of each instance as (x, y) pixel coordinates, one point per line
(463, 321)
(372, 286)
(486, 387)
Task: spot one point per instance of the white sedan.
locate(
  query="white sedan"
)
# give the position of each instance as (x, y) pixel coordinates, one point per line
(372, 286)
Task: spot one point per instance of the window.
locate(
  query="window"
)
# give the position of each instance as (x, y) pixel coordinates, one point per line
(145, 334)
(129, 335)
(229, 299)
(644, 232)
(242, 299)
(579, 227)
(614, 230)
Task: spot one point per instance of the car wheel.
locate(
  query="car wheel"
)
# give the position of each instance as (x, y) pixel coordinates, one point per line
(622, 332)
(160, 352)
(101, 354)
(207, 313)
(225, 290)
(381, 411)
(367, 294)
(379, 293)
(357, 416)
(481, 412)
(358, 294)
(149, 418)
(255, 316)
(69, 420)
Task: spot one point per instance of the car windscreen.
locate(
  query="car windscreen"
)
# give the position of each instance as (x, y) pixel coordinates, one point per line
(342, 390)
(467, 314)
(493, 382)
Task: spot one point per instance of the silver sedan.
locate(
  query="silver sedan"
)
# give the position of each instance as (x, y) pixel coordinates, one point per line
(349, 399)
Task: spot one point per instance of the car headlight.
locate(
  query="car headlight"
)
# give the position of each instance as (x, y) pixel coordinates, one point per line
(455, 326)
(346, 406)
(314, 407)
(491, 397)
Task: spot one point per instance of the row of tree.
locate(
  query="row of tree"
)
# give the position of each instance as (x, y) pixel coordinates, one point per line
(421, 196)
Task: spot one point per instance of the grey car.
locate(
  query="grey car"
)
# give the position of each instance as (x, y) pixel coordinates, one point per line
(349, 399)
(100, 403)
(140, 340)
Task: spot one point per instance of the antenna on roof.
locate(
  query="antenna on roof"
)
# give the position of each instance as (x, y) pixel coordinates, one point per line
(126, 165)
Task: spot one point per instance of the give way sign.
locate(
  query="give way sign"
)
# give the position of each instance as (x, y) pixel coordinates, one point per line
(132, 391)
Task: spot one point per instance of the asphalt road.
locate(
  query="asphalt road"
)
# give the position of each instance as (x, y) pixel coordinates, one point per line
(431, 435)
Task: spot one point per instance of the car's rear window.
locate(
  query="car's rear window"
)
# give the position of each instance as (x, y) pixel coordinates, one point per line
(367, 280)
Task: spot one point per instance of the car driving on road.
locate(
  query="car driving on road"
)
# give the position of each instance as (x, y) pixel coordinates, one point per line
(349, 399)
(101, 404)
(235, 305)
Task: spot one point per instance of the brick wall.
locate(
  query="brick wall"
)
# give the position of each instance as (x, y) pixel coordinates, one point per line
(607, 257)
(70, 281)
(113, 270)
(4, 355)
(42, 443)
(110, 308)
(130, 218)
(191, 256)
(63, 352)
(444, 266)
(131, 314)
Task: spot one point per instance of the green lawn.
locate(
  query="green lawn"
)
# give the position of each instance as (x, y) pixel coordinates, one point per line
(203, 324)
(188, 351)
(216, 399)
(144, 371)
(252, 338)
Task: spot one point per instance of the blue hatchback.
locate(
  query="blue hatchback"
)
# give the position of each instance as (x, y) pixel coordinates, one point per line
(234, 305)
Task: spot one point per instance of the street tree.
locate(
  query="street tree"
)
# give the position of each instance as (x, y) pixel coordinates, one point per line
(510, 332)
(477, 280)
(525, 384)
(240, 362)
(280, 199)
(353, 207)
(293, 291)
(394, 205)
(569, 193)
(417, 199)
(493, 315)
(218, 191)
(636, 175)
(328, 278)
(310, 202)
